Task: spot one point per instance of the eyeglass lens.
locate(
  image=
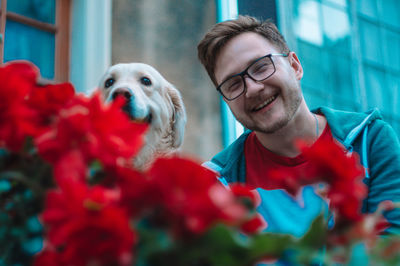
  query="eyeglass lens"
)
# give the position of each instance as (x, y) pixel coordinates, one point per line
(258, 71)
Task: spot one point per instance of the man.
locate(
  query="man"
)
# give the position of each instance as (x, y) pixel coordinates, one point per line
(259, 78)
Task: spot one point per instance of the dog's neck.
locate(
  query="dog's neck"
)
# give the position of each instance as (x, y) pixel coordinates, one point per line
(147, 156)
(151, 151)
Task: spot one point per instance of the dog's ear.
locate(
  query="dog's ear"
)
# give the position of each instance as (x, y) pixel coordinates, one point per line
(178, 115)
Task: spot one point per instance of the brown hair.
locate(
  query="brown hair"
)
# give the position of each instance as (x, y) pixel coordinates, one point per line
(221, 33)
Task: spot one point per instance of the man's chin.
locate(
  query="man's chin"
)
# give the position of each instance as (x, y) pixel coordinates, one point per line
(268, 128)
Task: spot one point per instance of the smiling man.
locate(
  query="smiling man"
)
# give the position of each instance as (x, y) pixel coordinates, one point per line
(258, 76)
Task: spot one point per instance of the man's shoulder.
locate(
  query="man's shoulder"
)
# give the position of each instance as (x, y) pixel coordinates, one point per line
(235, 149)
(230, 162)
(345, 123)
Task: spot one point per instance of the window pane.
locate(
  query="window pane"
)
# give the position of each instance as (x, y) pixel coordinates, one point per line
(341, 73)
(392, 99)
(336, 28)
(367, 7)
(310, 58)
(375, 86)
(342, 3)
(307, 23)
(390, 12)
(23, 42)
(370, 42)
(391, 49)
(42, 10)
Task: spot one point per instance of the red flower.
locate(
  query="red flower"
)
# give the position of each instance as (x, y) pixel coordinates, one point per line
(71, 165)
(191, 198)
(47, 257)
(49, 99)
(252, 222)
(343, 174)
(17, 120)
(86, 226)
(137, 193)
(328, 164)
(290, 180)
(253, 225)
(366, 229)
(95, 130)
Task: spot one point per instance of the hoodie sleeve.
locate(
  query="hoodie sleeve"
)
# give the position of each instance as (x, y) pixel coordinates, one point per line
(384, 169)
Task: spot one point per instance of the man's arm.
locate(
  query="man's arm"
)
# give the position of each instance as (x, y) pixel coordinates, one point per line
(384, 167)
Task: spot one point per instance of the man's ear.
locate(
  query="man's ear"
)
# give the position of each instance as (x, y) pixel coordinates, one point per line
(296, 65)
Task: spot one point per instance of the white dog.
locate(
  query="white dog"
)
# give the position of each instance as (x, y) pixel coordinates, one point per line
(152, 99)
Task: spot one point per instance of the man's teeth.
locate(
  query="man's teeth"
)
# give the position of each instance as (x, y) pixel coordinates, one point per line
(268, 101)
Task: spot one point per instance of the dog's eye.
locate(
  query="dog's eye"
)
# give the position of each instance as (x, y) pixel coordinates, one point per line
(109, 82)
(145, 81)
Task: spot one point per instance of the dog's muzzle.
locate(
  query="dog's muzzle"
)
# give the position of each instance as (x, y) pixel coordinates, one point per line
(123, 93)
(130, 108)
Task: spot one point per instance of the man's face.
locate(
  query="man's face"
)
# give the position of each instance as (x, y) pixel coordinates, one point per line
(269, 105)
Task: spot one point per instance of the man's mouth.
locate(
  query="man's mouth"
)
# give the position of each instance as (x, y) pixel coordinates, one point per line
(265, 103)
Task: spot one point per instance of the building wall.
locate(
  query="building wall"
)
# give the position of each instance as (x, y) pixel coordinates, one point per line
(164, 34)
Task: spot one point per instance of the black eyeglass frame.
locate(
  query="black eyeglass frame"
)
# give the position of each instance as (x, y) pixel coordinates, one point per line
(244, 72)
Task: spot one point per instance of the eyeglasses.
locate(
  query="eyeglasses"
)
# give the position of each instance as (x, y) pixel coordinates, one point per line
(259, 70)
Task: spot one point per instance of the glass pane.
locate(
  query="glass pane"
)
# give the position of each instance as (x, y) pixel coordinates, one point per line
(375, 86)
(341, 73)
(390, 12)
(23, 42)
(310, 58)
(342, 3)
(391, 49)
(392, 99)
(367, 7)
(336, 28)
(392, 96)
(370, 42)
(307, 23)
(42, 10)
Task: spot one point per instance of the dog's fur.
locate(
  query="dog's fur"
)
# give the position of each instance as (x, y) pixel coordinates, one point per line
(149, 98)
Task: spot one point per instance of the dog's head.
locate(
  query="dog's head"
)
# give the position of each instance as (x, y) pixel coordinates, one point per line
(149, 98)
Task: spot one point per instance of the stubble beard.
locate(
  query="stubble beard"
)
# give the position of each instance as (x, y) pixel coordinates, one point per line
(291, 110)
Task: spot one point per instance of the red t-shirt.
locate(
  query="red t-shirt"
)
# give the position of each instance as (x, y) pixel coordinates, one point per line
(259, 160)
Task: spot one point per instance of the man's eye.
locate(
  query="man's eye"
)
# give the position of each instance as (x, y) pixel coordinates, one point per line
(109, 82)
(145, 81)
(260, 68)
(233, 85)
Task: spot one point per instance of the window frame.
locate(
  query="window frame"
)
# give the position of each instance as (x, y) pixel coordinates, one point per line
(61, 30)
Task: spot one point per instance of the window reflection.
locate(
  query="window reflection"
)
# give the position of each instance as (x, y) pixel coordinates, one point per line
(392, 51)
(370, 42)
(28, 43)
(390, 12)
(307, 25)
(367, 7)
(336, 28)
(342, 3)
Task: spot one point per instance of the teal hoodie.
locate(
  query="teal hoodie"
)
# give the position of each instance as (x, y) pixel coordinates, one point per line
(365, 133)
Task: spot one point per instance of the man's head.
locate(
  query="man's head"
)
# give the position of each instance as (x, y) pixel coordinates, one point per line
(209, 48)
(266, 95)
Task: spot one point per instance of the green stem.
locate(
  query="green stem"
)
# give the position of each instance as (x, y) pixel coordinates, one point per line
(18, 177)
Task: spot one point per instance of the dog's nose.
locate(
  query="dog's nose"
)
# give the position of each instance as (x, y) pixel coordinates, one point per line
(122, 92)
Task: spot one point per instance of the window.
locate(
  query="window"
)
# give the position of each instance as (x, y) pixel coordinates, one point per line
(349, 51)
(38, 31)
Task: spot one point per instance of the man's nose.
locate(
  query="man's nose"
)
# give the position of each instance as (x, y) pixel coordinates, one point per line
(252, 87)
